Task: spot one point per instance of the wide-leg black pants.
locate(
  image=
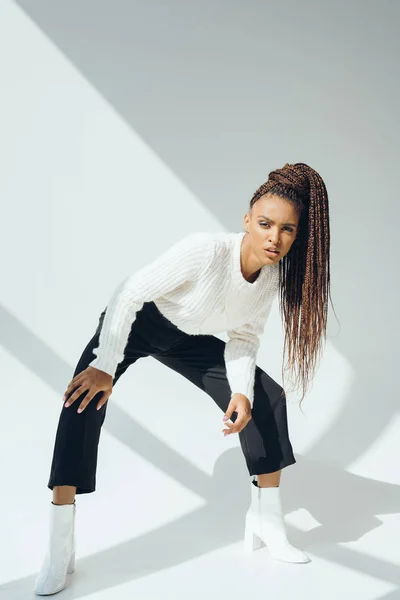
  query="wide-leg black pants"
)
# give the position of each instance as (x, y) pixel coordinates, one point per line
(200, 358)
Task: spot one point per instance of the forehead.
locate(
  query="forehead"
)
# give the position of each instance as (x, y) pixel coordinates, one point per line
(276, 208)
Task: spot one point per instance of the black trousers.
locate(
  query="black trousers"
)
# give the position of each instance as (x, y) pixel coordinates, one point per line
(200, 358)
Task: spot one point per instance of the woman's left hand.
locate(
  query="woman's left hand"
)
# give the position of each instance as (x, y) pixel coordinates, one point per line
(240, 404)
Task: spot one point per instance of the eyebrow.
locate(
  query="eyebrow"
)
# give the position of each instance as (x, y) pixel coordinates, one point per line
(268, 219)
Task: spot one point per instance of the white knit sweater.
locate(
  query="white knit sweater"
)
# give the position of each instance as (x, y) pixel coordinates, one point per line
(199, 286)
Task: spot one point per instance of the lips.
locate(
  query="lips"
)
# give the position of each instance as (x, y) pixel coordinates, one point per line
(272, 250)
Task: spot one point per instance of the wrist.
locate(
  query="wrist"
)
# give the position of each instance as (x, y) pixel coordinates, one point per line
(238, 396)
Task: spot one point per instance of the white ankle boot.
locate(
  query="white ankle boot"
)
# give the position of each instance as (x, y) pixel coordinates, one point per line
(264, 522)
(60, 557)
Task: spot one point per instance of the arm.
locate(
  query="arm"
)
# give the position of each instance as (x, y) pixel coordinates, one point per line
(180, 263)
(241, 354)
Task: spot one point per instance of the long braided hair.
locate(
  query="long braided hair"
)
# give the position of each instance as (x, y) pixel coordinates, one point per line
(304, 272)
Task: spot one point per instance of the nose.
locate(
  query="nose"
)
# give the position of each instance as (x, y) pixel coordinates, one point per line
(274, 236)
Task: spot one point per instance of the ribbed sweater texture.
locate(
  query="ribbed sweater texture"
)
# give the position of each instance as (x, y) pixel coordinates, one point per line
(197, 283)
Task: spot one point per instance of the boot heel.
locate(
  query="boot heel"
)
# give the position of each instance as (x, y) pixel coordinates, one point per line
(252, 541)
(71, 566)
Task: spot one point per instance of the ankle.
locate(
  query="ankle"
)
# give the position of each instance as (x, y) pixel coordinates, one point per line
(269, 479)
(64, 494)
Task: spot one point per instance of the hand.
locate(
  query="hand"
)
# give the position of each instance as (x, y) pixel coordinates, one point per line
(94, 381)
(240, 404)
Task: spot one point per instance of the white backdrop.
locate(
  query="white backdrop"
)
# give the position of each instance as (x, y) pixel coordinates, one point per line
(123, 128)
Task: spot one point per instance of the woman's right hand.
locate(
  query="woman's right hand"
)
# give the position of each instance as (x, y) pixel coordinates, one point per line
(93, 381)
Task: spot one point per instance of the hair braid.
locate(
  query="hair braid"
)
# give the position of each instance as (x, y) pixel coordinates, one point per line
(304, 273)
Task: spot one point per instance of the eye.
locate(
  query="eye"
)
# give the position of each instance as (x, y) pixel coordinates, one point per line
(288, 228)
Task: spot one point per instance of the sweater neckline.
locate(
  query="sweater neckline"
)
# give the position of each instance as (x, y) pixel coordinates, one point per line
(237, 271)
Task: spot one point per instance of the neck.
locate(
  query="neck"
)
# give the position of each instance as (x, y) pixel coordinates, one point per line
(249, 263)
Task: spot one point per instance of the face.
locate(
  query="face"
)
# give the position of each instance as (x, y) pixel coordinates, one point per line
(272, 223)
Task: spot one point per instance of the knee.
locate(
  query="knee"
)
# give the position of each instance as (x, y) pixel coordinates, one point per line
(265, 385)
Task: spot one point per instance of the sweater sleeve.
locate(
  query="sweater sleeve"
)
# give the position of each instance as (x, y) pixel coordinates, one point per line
(180, 263)
(241, 354)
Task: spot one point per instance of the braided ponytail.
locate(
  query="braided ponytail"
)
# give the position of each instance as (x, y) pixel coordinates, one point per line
(304, 272)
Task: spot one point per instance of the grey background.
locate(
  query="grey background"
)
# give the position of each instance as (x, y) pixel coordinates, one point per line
(225, 92)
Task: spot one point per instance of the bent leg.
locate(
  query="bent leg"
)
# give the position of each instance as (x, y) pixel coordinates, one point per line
(74, 461)
(265, 439)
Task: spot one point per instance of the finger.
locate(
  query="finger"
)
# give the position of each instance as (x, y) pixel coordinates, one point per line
(242, 425)
(91, 394)
(102, 402)
(77, 379)
(239, 424)
(71, 387)
(228, 414)
(79, 376)
(228, 432)
(230, 427)
(75, 396)
(67, 392)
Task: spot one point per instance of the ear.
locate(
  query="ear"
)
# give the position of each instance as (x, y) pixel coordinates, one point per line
(247, 222)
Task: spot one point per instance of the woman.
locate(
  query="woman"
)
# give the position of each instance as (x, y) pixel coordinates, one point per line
(204, 284)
